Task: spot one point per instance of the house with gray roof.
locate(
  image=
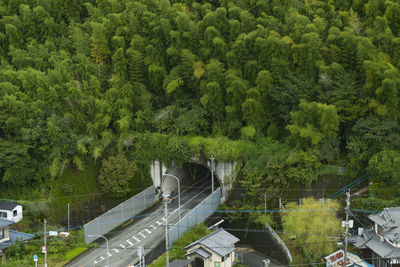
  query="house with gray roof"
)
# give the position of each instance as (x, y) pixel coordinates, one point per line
(10, 211)
(381, 245)
(214, 250)
(9, 237)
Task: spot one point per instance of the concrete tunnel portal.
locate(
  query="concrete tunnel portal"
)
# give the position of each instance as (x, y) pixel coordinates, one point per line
(192, 176)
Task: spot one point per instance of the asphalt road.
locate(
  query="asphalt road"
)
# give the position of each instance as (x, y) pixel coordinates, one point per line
(147, 232)
(253, 258)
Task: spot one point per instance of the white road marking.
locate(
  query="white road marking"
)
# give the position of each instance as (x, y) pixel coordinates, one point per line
(147, 231)
(101, 258)
(95, 262)
(116, 250)
(140, 233)
(157, 222)
(163, 219)
(153, 226)
(129, 242)
(122, 246)
(137, 239)
(109, 254)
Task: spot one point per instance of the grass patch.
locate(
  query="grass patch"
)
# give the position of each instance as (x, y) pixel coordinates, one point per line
(69, 255)
(176, 252)
(72, 187)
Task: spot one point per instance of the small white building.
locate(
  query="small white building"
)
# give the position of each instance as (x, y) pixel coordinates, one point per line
(10, 211)
(215, 250)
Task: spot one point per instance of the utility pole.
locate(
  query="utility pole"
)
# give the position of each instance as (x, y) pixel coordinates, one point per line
(45, 243)
(265, 203)
(166, 231)
(68, 218)
(347, 226)
(212, 173)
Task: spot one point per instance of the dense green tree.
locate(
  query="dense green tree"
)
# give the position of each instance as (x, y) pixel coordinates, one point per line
(313, 222)
(314, 121)
(116, 175)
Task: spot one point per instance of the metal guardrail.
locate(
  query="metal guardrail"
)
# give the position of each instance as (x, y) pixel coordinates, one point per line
(119, 214)
(197, 215)
(280, 242)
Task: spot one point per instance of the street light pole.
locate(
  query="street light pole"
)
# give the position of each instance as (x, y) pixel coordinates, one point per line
(166, 199)
(108, 253)
(179, 193)
(212, 173)
(45, 243)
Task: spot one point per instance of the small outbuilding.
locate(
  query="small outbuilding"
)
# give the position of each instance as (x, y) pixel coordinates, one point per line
(9, 237)
(10, 211)
(214, 250)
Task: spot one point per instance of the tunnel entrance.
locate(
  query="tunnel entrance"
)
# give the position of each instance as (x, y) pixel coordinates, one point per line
(193, 178)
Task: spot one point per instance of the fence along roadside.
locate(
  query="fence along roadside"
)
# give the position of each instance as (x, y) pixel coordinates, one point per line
(119, 214)
(197, 215)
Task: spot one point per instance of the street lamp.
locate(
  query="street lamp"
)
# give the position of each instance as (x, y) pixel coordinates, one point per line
(166, 199)
(108, 253)
(212, 173)
(179, 193)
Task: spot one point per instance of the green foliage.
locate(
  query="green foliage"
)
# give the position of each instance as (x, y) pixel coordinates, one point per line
(314, 121)
(116, 175)
(92, 78)
(311, 224)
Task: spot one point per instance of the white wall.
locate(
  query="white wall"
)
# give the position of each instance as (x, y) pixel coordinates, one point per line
(10, 214)
(214, 258)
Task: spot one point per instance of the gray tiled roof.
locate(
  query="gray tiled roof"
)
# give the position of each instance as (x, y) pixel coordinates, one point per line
(4, 223)
(7, 206)
(219, 241)
(389, 217)
(373, 241)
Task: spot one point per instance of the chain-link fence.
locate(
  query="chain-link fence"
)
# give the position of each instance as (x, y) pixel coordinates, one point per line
(119, 214)
(197, 215)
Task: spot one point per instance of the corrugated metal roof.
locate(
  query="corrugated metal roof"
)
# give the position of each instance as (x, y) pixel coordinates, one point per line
(4, 223)
(15, 236)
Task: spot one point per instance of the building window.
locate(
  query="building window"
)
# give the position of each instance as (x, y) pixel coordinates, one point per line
(3, 214)
(1, 234)
(15, 213)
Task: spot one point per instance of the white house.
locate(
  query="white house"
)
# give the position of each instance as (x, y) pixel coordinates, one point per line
(215, 250)
(10, 211)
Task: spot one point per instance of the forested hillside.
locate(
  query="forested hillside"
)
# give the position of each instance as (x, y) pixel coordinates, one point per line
(288, 86)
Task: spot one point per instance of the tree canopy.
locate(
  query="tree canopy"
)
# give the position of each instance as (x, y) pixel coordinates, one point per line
(85, 80)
